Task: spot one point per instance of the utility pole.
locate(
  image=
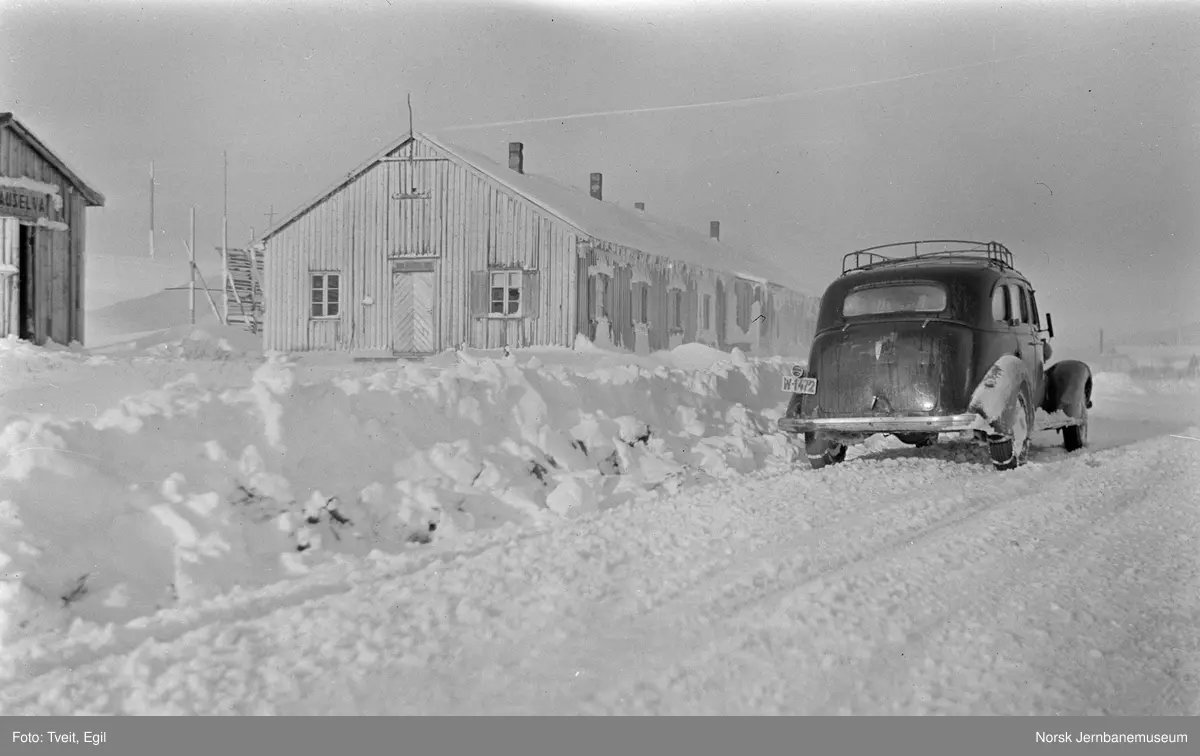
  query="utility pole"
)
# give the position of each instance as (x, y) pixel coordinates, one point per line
(225, 237)
(151, 209)
(192, 250)
(270, 217)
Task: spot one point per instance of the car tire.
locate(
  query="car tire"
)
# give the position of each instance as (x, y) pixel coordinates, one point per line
(1003, 451)
(822, 452)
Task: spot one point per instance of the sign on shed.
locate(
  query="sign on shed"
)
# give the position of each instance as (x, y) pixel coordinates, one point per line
(24, 203)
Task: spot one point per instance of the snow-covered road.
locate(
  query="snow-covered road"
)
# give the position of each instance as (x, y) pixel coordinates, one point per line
(911, 582)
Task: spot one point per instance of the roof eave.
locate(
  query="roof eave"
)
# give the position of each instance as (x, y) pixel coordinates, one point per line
(91, 196)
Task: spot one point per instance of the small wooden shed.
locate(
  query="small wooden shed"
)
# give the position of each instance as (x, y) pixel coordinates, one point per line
(429, 246)
(42, 235)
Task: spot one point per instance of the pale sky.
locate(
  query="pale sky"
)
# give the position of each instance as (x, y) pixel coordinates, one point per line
(1066, 130)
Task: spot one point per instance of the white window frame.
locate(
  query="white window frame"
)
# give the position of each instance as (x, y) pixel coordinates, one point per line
(506, 278)
(324, 289)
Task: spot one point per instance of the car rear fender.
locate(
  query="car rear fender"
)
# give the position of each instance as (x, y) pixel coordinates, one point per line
(996, 394)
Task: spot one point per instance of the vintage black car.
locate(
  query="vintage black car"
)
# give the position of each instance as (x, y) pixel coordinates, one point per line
(935, 337)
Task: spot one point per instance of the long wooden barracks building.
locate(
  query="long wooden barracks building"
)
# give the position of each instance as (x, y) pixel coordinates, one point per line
(429, 246)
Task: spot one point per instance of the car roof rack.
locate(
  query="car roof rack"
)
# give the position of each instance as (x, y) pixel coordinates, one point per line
(994, 253)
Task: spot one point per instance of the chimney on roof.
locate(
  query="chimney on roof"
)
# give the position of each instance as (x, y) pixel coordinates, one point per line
(516, 156)
(597, 186)
(714, 230)
(639, 206)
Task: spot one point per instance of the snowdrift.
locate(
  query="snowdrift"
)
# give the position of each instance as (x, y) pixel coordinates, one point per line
(242, 477)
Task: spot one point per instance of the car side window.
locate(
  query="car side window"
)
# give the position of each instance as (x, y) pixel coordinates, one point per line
(1014, 302)
(1000, 308)
(1033, 310)
(1025, 306)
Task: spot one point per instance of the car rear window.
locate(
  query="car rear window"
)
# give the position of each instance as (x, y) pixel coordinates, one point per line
(878, 300)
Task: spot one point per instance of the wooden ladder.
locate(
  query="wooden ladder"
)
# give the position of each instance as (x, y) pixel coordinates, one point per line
(244, 299)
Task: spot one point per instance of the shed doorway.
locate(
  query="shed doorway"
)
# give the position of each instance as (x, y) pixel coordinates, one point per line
(27, 285)
(17, 283)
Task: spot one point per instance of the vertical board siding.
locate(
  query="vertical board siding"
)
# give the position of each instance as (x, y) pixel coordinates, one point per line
(43, 260)
(60, 280)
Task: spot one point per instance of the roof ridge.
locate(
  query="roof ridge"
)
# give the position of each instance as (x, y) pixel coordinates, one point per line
(734, 251)
(727, 257)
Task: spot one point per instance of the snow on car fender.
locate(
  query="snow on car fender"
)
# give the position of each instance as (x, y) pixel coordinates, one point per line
(996, 394)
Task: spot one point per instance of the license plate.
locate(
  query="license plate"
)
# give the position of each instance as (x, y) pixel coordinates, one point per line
(794, 385)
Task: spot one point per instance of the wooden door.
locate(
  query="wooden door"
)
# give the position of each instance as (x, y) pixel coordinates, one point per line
(413, 311)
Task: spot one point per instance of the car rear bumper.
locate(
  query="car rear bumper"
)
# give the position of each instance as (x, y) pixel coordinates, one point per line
(899, 424)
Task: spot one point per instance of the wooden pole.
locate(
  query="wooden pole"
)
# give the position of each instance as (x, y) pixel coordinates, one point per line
(204, 284)
(192, 252)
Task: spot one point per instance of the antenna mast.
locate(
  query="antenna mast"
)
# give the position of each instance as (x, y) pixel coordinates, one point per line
(410, 115)
(225, 235)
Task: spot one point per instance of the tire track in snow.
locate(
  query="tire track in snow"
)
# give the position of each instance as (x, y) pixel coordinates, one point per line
(803, 653)
(566, 672)
(521, 619)
(28, 661)
(423, 644)
(1034, 576)
(185, 630)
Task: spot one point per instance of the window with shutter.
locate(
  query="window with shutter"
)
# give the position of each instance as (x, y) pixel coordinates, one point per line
(504, 298)
(675, 310)
(505, 293)
(600, 303)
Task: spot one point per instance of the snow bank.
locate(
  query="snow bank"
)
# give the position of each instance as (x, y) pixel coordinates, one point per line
(219, 480)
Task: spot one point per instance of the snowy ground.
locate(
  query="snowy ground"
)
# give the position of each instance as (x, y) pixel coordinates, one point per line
(195, 549)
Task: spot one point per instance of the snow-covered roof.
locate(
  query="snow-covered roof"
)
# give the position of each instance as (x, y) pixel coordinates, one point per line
(601, 220)
(608, 221)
